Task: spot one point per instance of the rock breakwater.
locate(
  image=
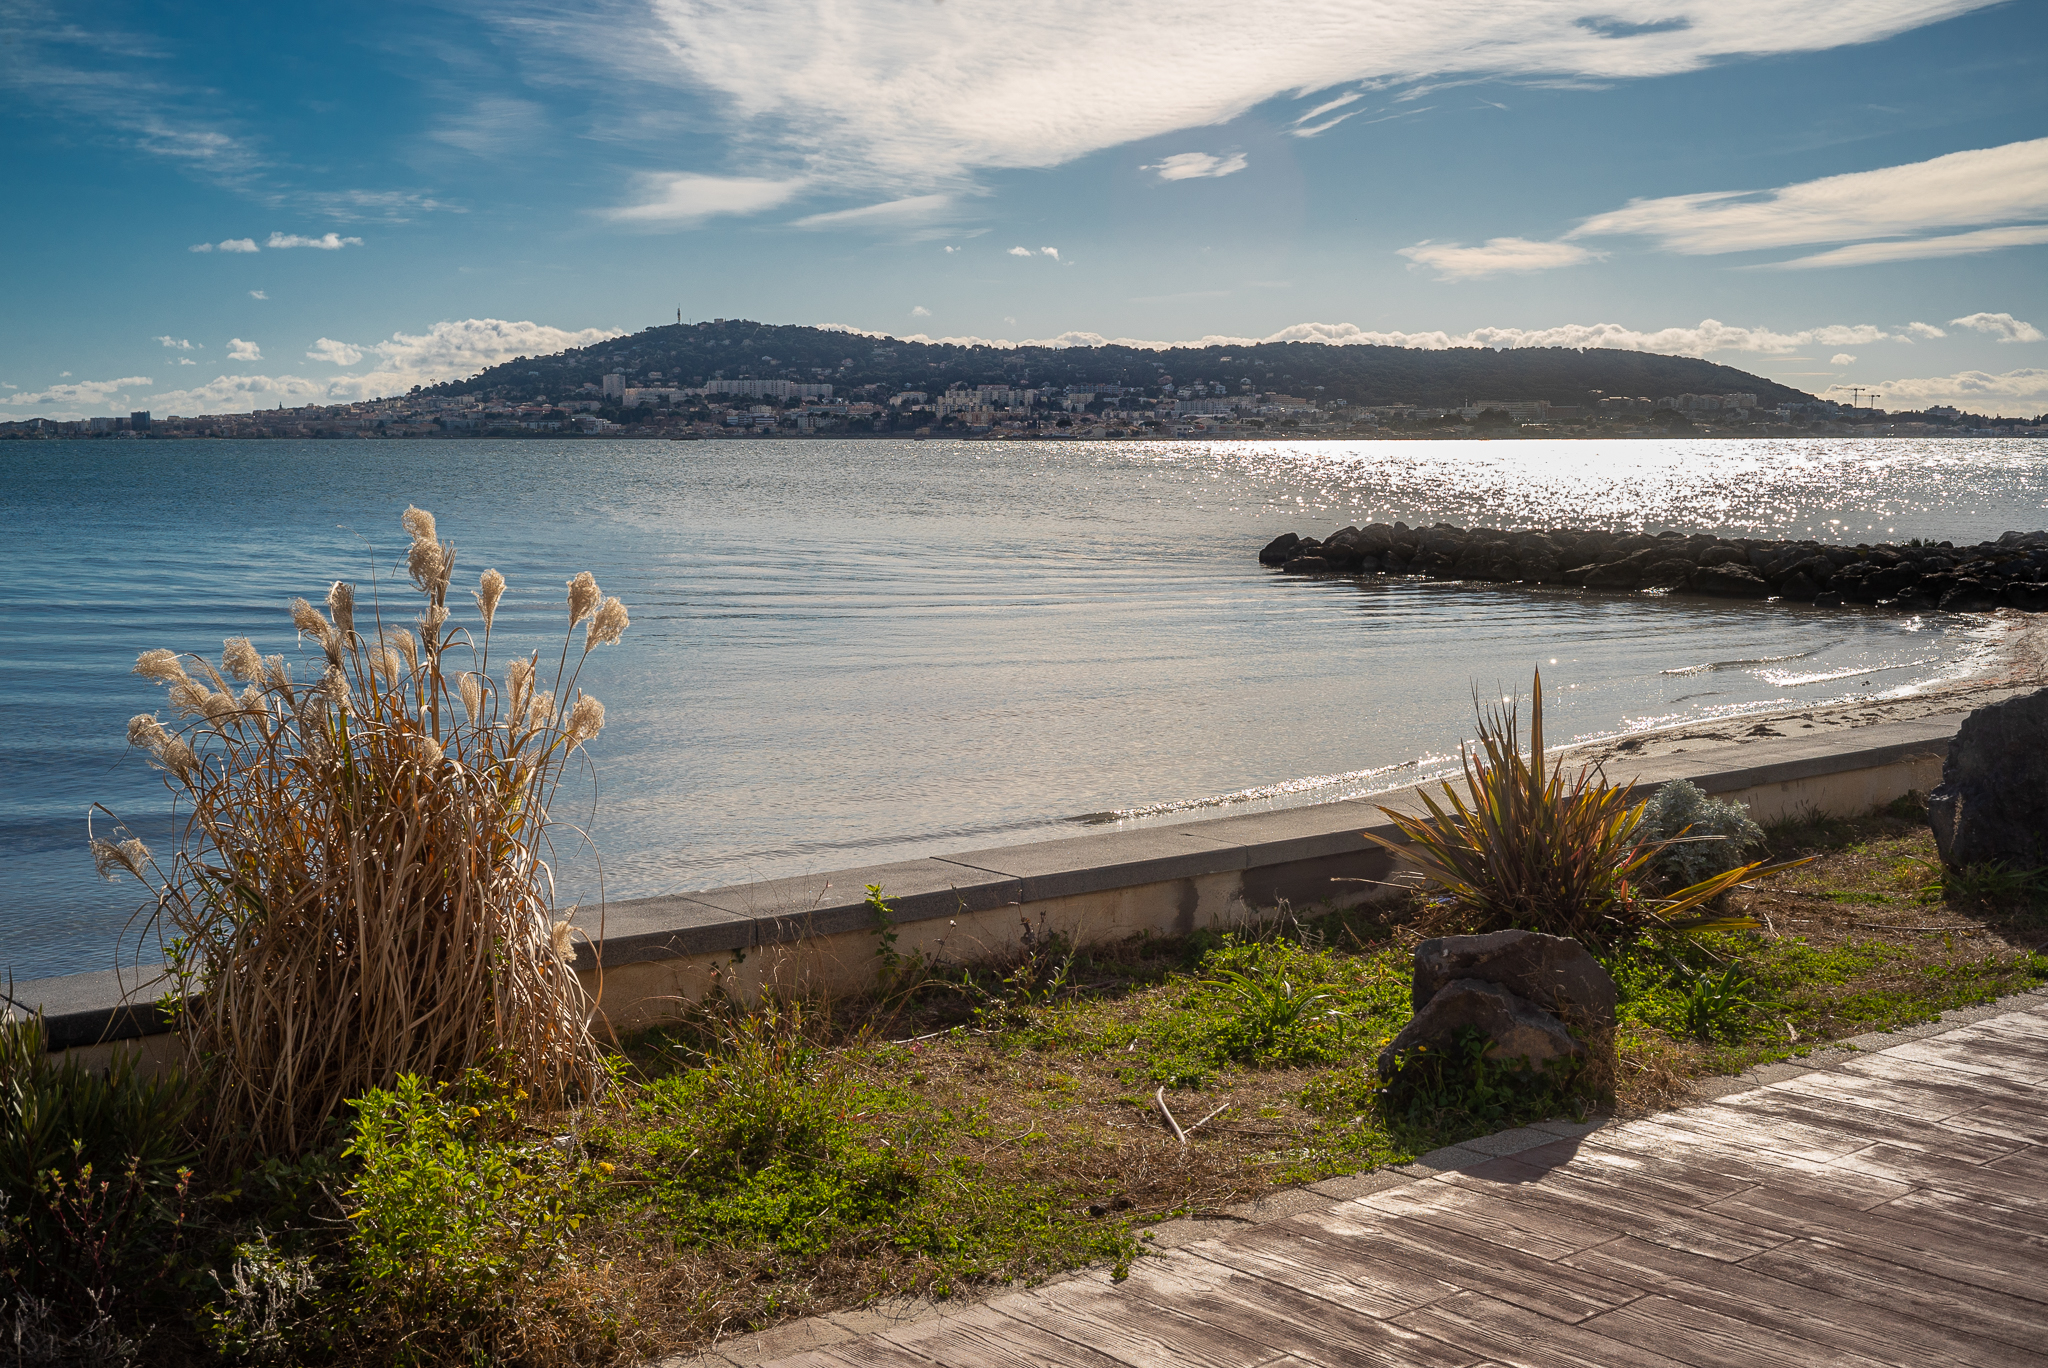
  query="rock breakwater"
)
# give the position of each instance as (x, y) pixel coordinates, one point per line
(2011, 572)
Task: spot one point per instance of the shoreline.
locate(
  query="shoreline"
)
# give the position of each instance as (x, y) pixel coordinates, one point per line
(2022, 667)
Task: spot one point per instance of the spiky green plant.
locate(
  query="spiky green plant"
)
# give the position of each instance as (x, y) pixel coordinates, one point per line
(1528, 847)
(361, 889)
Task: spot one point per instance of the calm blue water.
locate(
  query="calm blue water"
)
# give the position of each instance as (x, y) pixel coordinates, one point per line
(853, 651)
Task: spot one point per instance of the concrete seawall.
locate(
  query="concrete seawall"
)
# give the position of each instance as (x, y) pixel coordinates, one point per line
(647, 957)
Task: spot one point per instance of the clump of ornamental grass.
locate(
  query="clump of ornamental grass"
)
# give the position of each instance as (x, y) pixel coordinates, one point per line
(361, 889)
(1526, 847)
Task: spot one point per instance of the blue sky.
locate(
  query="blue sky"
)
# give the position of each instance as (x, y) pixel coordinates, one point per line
(225, 206)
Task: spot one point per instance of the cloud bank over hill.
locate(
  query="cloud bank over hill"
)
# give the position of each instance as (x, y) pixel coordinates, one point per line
(1709, 335)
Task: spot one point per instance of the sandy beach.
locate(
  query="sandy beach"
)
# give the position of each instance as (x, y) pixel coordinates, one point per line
(2021, 667)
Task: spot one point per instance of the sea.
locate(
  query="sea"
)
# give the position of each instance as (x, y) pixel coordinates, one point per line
(846, 652)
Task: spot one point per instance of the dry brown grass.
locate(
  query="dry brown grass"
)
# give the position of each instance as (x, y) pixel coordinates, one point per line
(361, 887)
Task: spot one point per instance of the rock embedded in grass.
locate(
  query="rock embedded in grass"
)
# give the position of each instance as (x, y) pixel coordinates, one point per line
(1517, 1028)
(2011, 572)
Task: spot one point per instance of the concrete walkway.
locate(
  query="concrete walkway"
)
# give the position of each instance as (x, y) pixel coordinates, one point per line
(1887, 1207)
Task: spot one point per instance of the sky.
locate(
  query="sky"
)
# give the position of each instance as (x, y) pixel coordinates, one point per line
(225, 206)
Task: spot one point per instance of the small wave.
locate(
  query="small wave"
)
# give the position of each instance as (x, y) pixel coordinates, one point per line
(1289, 788)
(1745, 664)
(1687, 698)
(1781, 680)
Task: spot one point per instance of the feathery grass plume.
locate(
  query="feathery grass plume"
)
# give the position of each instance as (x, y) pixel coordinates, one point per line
(586, 720)
(490, 587)
(238, 659)
(310, 623)
(189, 698)
(161, 665)
(341, 601)
(562, 940)
(518, 679)
(408, 648)
(110, 860)
(584, 596)
(607, 625)
(431, 623)
(418, 523)
(362, 885)
(166, 751)
(146, 733)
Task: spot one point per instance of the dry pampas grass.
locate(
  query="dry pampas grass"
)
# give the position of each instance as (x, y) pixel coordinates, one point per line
(361, 887)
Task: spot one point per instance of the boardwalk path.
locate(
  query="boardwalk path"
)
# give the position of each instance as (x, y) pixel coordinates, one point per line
(1890, 1210)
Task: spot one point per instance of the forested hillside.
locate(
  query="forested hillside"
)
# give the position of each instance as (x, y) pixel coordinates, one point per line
(689, 354)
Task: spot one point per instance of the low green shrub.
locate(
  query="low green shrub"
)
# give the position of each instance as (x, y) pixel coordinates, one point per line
(1698, 836)
(95, 1182)
(456, 1218)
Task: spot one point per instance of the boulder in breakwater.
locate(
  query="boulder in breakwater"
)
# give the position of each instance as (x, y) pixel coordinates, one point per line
(2011, 572)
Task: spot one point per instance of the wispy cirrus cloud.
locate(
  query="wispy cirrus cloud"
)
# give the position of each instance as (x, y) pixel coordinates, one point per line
(1499, 256)
(1197, 166)
(883, 94)
(685, 198)
(1977, 188)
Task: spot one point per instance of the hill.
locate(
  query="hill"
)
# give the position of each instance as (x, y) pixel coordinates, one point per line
(690, 353)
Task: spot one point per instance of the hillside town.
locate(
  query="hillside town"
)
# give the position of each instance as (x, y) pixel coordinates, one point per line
(619, 406)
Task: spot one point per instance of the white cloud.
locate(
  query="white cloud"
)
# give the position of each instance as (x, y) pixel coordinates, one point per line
(1200, 165)
(920, 311)
(683, 198)
(1985, 186)
(951, 250)
(326, 242)
(1052, 252)
(1022, 251)
(259, 294)
(334, 353)
(1841, 359)
(895, 213)
(187, 361)
(1454, 262)
(1710, 335)
(883, 93)
(448, 350)
(238, 350)
(77, 400)
(231, 245)
(176, 343)
(1915, 249)
(1924, 330)
(2003, 326)
(2015, 394)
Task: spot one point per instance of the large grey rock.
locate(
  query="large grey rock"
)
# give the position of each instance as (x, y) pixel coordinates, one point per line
(1731, 580)
(1517, 1028)
(1554, 972)
(1993, 799)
